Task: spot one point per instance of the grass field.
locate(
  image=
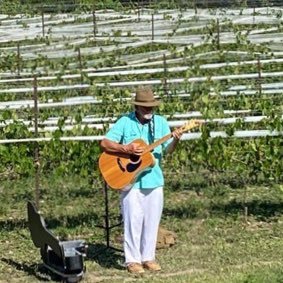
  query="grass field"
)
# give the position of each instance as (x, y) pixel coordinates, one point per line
(216, 242)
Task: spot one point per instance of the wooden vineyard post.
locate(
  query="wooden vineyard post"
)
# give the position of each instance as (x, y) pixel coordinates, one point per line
(152, 26)
(195, 7)
(139, 12)
(218, 34)
(80, 63)
(94, 24)
(254, 15)
(18, 60)
(42, 24)
(259, 75)
(246, 209)
(36, 147)
(165, 84)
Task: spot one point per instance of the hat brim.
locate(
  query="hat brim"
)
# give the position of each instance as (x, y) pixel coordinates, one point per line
(147, 104)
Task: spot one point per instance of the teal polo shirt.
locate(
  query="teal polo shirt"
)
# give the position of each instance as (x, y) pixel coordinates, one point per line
(127, 129)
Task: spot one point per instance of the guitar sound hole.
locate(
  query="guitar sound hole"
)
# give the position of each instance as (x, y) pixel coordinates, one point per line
(132, 167)
(134, 158)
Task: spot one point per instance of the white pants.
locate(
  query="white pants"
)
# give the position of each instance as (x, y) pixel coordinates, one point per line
(141, 210)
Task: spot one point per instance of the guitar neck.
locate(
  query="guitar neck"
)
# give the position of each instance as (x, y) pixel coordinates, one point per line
(157, 143)
(187, 127)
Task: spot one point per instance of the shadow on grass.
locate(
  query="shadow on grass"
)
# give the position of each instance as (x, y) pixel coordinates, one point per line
(37, 270)
(72, 221)
(67, 221)
(262, 209)
(105, 257)
(12, 224)
(259, 208)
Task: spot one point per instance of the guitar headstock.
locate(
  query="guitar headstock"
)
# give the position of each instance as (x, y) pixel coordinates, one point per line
(191, 124)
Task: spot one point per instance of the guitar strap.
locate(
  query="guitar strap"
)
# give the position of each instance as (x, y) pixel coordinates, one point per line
(151, 129)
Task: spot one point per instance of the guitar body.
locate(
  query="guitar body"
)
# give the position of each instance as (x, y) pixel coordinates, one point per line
(121, 170)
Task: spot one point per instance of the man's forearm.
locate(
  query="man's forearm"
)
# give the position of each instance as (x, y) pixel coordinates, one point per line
(171, 146)
(113, 147)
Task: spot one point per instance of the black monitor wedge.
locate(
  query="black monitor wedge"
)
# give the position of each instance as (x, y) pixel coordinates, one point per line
(64, 258)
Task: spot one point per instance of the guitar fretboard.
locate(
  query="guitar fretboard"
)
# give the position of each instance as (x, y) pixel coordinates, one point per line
(167, 137)
(157, 143)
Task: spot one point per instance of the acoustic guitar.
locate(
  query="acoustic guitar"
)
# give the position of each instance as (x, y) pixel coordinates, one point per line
(121, 170)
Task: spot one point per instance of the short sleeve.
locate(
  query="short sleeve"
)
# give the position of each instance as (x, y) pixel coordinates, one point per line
(116, 132)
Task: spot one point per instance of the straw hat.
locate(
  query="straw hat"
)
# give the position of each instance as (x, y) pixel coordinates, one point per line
(144, 97)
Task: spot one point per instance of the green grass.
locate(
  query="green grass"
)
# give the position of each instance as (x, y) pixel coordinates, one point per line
(215, 241)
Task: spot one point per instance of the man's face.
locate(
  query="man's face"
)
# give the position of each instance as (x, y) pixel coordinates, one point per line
(145, 112)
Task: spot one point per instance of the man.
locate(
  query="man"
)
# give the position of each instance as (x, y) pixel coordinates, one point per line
(141, 204)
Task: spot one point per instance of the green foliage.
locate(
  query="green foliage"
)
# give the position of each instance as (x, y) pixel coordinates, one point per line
(257, 160)
(10, 6)
(71, 158)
